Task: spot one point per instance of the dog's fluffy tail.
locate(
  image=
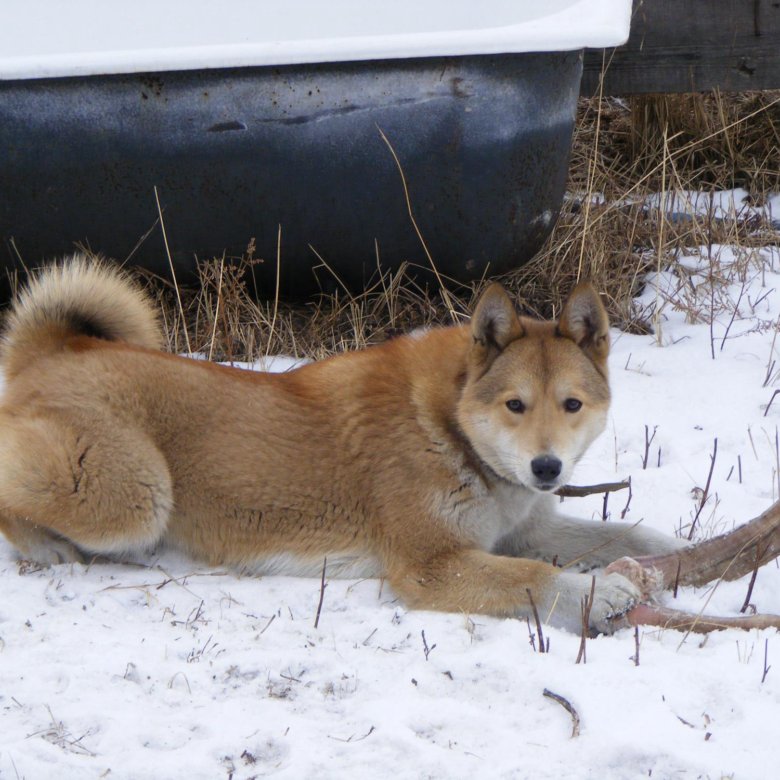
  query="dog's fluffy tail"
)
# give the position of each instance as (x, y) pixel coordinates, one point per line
(79, 296)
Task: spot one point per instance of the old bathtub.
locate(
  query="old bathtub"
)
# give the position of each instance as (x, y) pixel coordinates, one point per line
(247, 115)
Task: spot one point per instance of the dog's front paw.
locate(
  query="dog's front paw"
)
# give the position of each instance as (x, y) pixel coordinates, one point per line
(613, 597)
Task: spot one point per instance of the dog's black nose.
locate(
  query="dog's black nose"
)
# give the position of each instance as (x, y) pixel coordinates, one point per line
(546, 468)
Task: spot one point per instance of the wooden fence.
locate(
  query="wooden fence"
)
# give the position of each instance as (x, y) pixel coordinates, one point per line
(692, 46)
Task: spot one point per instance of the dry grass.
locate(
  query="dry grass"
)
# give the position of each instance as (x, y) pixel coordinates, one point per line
(225, 322)
(623, 150)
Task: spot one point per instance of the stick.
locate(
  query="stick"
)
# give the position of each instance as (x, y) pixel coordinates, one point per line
(766, 658)
(646, 615)
(752, 582)
(538, 622)
(730, 556)
(706, 494)
(322, 592)
(580, 491)
(566, 704)
(636, 645)
(587, 603)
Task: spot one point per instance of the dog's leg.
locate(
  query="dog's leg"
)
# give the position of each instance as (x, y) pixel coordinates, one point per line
(584, 544)
(472, 581)
(72, 488)
(37, 543)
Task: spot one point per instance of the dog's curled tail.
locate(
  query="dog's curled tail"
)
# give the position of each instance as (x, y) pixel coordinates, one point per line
(78, 296)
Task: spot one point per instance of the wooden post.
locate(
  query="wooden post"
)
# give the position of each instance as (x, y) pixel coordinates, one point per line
(692, 46)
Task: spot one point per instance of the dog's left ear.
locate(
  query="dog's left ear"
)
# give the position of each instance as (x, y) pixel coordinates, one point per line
(584, 320)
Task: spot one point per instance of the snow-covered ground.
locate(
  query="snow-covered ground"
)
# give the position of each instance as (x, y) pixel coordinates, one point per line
(172, 670)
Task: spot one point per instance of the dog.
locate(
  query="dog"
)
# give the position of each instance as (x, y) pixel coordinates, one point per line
(431, 460)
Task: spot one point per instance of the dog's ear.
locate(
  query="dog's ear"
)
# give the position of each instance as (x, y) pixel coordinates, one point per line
(494, 323)
(584, 320)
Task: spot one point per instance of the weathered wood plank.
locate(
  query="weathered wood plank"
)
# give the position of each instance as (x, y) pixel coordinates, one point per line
(691, 46)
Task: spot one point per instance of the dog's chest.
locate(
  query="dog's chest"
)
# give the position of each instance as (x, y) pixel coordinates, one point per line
(482, 513)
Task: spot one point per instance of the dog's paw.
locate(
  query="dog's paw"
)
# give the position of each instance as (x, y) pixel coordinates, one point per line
(613, 597)
(50, 551)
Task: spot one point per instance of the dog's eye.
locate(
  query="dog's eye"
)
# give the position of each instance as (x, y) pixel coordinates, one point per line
(572, 405)
(515, 405)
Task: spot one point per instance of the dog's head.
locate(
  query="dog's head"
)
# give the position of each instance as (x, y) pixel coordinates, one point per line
(536, 393)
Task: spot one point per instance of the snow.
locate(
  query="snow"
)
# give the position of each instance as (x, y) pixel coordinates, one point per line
(168, 669)
(87, 37)
(723, 204)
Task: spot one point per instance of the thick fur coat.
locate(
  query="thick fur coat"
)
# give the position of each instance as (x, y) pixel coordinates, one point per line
(430, 460)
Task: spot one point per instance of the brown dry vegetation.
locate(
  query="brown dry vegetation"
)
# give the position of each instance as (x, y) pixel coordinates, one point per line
(622, 151)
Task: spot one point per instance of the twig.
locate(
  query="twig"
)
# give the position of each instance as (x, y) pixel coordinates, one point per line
(353, 738)
(580, 491)
(322, 592)
(624, 511)
(566, 704)
(774, 395)
(265, 627)
(636, 646)
(766, 657)
(705, 495)
(184, 677)
(677, 579)
(648, 442)
(531, 635)
(427, 650)
(542, 648)
(752, 582)
(697, 623)
(733, 315)
(587, 603)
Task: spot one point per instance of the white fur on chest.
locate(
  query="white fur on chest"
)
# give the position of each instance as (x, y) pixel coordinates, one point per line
(481, 514)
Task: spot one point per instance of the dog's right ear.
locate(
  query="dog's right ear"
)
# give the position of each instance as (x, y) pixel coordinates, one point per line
(494, 323)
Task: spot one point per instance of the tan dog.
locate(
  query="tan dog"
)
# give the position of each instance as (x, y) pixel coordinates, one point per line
(429, 460)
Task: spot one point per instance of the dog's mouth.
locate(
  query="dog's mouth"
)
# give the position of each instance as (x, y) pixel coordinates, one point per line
(545, 487)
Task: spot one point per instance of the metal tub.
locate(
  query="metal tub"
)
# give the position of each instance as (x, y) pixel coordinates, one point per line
(246, 116)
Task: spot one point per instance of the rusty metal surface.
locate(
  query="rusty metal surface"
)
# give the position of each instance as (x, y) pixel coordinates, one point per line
(484, 143)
